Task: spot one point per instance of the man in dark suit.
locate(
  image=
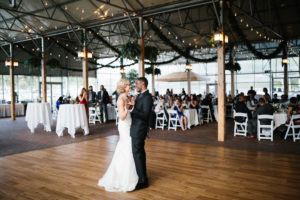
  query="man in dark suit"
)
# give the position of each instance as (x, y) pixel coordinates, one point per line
(264, 108)
(140, 114)
(92, 96)
(103, 100)
(207, 101)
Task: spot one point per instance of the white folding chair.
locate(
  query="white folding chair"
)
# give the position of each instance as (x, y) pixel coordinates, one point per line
(117, 116)
(98, 115)
(265, 131)
(200, 116)
(206, 117)
(293, 126)
(173, 120)
(161, 120)
(92, 115)
(240, 128)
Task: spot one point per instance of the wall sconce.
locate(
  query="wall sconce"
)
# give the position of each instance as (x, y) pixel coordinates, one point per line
(285, 61)
(188, 66)
(81, 54)
(8, 63)
(218, 37)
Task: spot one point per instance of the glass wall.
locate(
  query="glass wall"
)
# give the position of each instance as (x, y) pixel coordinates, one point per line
(256, 73)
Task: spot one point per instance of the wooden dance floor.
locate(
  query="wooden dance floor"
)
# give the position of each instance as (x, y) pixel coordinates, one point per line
(176, 171)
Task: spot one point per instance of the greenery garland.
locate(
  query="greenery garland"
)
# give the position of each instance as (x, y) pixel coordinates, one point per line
(149, 70)
(174, 47)
(131, 50)
(235, 27)
(232, 66)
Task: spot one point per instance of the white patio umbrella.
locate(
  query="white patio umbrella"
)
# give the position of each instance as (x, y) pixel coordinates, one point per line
(182, 77)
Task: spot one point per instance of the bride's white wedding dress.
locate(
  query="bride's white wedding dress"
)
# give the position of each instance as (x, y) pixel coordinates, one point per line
(121, 174)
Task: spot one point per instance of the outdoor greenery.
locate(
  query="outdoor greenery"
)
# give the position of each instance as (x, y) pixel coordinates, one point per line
(132, 75)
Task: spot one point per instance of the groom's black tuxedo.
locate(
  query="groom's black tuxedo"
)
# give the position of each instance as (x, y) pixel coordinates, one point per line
(138, 131)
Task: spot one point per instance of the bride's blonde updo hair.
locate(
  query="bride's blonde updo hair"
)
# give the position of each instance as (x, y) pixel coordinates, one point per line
(122, 84)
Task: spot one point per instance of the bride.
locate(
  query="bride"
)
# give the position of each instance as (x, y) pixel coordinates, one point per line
(121, 174)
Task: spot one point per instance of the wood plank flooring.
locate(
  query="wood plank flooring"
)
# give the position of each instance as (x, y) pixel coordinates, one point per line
(176, 171)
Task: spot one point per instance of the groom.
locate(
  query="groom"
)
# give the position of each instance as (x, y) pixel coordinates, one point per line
(140, 115)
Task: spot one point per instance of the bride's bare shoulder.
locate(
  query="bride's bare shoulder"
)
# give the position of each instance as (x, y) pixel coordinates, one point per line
(121, 99)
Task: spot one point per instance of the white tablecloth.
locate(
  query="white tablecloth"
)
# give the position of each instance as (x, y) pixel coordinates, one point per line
(192, 117)
(279, 118)
(5, 110)
(71, 116)
(38, 113)
(216, 112)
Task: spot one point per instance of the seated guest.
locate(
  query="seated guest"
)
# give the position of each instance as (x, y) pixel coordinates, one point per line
(275, 99)
(67, 100)
(237, 97)
(58, 102)
(208, 102)
(179, 108)
(194, 103)
(241, 107)
(186, 100)
(183, 92)
(77, 101)
(298, 99)
(162, 106)
(251, 101)
(293, 109)
(229, 99)
(284, 99)
(263, 109)
(199, 100)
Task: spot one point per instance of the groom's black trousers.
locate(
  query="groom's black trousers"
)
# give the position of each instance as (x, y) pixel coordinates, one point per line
(139, 156)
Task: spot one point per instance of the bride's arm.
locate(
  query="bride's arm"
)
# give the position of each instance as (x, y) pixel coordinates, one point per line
(121, 108)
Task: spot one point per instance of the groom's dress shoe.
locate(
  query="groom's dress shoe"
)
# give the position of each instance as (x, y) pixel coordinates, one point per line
(141, 186)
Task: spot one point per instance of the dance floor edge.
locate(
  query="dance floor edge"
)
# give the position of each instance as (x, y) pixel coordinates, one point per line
(176, 170)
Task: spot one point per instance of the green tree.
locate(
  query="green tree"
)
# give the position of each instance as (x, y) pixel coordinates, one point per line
(132, 75)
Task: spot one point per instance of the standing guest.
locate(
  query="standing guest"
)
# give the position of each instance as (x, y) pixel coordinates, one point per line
(293, 109)
(83, 98)
(58, 102)
(183, 92)
(92, 96)
(265, 90)
(168, 92)
(264, 108)
(251, 91)
(275, 99)
(179, 108)
(103, 100)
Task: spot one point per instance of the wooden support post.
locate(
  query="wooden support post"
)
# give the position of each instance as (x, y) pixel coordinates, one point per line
(232, 83)
(221, 82)
(285, 78)
(12, 82)
(141, 62)
(85, 76)
(153, 80)
(44, 72)
(189, 82)
(221, 93)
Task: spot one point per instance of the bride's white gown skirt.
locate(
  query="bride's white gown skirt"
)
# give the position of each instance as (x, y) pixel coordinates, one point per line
(121, 174)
